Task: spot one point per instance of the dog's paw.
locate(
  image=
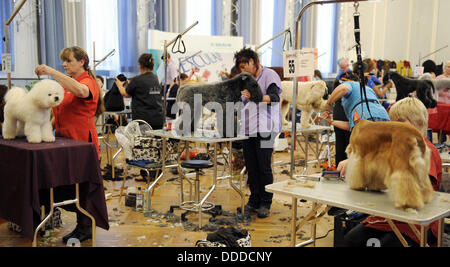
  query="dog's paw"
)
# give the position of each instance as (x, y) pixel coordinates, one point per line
(49, 139)
(34, 140)
(9, 137)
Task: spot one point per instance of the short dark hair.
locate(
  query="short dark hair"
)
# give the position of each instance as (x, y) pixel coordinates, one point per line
(3, 90)
(245, 55)
(182, 77)
(100, 78)
(429, 66)
(318, 74)
(147, 61)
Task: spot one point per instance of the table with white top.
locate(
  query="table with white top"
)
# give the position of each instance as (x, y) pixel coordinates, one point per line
(314, 130)
(214, 141)
(328, 193)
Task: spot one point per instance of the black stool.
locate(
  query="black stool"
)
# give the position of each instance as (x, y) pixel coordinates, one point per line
(194, 206)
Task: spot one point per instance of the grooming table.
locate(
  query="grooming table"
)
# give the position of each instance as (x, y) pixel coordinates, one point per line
(314, 130)
(439, 119)
(29, 171)
(327, 194)
(165, 135)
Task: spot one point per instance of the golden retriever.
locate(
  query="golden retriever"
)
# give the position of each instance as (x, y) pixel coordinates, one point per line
(390, 155)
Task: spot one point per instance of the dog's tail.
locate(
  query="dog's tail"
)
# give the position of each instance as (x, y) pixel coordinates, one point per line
(15, 94)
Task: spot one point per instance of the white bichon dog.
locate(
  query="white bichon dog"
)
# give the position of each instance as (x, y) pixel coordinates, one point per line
(28, 113)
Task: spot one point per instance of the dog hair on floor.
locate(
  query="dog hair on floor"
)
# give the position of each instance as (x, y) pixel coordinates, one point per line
(28, 113)
(390, 155)
(404, 86)
(438, 84)
(309, 98)
(228, 91)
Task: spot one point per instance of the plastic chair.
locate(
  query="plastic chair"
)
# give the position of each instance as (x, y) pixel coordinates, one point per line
(125, 137)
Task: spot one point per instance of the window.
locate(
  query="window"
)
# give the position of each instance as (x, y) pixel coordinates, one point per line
(325, 37)
(102, 28)
(199, 10)
(267, 13)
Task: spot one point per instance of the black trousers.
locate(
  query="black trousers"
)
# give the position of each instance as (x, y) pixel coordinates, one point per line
(258, 156)
(342, 141)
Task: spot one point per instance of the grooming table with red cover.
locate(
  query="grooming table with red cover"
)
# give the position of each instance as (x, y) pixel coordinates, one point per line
(439, 118)
(29, 173)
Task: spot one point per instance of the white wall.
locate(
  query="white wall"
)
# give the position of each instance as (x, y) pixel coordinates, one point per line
(398, 30)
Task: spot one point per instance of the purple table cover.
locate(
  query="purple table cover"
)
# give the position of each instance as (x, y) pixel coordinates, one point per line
(26, 168)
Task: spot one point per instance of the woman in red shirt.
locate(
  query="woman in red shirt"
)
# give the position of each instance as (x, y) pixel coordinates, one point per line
(75, 117)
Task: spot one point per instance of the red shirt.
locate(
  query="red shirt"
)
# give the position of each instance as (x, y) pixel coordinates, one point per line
(380, 223)
(75, 117)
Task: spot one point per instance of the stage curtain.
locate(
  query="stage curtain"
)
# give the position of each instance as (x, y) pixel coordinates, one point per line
(51, 30)
(127, 29)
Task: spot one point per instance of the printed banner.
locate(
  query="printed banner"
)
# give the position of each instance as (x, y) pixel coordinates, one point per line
(216, 57)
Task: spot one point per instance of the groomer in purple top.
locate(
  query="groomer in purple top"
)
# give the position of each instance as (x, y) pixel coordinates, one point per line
(262, 123)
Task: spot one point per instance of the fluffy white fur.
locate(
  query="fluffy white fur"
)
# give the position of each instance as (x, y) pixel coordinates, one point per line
(309, 99)
(390, 155)
(28, 113)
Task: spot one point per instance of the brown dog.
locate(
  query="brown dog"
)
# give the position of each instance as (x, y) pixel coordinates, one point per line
(390, 155)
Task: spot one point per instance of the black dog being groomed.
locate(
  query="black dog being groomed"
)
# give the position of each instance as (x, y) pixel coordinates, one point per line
(220, 93)
(404, 86)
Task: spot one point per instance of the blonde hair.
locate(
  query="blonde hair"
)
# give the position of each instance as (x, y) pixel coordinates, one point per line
(413, 110)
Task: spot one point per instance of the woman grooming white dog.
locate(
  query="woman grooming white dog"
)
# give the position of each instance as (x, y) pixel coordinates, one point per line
(75, 117)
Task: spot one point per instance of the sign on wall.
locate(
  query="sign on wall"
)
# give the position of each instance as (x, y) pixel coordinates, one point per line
(6, 63)
(299, 63)
(217, 53)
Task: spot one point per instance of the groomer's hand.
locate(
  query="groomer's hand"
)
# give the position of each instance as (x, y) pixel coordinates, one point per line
(342, 167)
(326, 116)
(246, 94)
(43, 70)
(389, 85)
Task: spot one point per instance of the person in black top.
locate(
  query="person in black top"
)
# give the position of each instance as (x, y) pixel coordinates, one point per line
(145, 92)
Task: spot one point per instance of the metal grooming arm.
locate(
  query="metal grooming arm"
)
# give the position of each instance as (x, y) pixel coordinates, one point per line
(6, 33)
(295, 80)
(166, 45)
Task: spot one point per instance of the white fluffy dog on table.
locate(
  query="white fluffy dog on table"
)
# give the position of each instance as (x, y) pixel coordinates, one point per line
(390, 155)
(309, 99)
(28, 113)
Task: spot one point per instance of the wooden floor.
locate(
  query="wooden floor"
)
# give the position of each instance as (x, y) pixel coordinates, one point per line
(129, 228)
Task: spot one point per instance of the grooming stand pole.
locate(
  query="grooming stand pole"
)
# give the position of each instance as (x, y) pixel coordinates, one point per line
(295, 80)
(6, 33)
(166, 45)
(275, 37)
